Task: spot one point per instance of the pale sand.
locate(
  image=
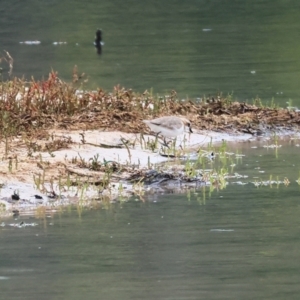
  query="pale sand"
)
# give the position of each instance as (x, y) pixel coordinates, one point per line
(20, 178)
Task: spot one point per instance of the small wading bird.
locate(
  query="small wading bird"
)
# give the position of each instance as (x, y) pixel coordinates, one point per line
(170, 126)
(98, 41)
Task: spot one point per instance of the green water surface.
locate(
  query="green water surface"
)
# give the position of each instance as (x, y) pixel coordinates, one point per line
(195, 47)
(241, 242)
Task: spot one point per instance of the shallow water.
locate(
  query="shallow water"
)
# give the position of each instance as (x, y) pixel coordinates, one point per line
(196, 47)
(240, 242)
(236, 243)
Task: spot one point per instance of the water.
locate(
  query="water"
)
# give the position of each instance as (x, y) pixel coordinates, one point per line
(195, 47)
(237, 243)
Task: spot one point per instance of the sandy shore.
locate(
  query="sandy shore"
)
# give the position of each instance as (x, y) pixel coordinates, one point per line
(33, 179)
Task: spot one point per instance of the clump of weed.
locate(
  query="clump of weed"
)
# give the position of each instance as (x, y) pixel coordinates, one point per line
(31, 106)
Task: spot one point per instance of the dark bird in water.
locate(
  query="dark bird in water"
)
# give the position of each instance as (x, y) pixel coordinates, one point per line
(98, 41)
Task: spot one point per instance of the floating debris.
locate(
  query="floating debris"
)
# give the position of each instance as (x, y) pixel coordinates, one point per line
(237, 175)
(286, 182)
(239, 155)
(31, 42)
(222, 230)
(19, 225)
(59, 43)
(272, 146)
(239, 182)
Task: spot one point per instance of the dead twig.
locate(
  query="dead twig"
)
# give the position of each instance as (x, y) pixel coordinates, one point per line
(10, 62)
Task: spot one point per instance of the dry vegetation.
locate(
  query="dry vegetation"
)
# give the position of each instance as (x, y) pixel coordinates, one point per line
(31, 107)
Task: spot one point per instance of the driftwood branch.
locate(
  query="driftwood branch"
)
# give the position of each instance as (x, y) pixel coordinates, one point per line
(8, 58)
(10, 61)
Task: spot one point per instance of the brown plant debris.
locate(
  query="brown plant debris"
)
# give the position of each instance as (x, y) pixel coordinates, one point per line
(31, 107)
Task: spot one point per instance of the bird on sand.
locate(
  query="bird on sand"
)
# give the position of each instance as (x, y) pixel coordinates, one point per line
(169, 126)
